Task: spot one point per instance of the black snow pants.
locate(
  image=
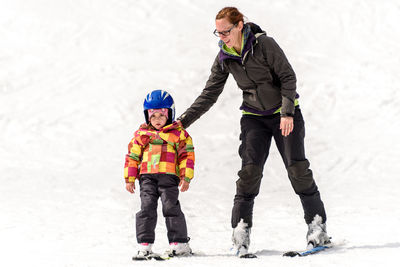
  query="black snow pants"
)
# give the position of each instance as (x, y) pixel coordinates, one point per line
(165, 186)
(256, 135)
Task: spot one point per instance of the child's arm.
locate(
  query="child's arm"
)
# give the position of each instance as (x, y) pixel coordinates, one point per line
(186, 160)
(132, 163)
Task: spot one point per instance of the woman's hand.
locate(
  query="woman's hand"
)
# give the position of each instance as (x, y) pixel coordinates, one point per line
(130, 187)
(184, 185)
(286, 125)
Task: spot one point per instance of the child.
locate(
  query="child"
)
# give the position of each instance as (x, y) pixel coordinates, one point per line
(161, 157)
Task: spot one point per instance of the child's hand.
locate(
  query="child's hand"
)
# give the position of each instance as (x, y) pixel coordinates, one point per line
(130, 187)
(184, 185)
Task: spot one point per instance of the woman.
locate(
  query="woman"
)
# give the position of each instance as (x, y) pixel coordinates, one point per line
(270, 109)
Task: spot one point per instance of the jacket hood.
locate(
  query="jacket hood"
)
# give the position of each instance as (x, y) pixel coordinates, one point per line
(255, 29)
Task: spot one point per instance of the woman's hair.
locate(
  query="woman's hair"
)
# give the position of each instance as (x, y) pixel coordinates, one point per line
(232, 14)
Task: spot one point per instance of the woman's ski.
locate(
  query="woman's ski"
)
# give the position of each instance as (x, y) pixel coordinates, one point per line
(305, 252)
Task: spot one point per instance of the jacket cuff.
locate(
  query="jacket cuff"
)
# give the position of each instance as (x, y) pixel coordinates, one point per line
(184, 120)
(130, 180)
(287, 107)
(187, 179)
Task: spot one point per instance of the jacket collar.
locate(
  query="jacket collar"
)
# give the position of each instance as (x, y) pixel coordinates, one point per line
(250, 32)
(165, 129)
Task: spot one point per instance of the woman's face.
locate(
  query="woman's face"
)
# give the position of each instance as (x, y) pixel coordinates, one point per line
(233, 38)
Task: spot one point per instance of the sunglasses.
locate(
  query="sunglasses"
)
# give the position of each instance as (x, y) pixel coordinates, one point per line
(224, 33)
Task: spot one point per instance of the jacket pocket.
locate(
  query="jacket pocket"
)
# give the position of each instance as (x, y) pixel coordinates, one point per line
(252, 99)
(269, 96)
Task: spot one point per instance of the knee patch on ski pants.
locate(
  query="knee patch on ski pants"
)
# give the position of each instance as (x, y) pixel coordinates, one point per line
(300, 176)
(171, 209)
(249, 180)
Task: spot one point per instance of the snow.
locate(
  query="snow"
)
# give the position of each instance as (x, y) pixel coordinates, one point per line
(73, 75)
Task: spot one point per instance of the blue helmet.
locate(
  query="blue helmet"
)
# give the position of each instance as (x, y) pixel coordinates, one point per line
(159, 99)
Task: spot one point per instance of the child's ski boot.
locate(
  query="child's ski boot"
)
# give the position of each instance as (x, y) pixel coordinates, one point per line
(178, 249)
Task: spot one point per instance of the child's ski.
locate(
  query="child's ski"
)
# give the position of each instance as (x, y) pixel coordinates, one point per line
(151, 256)
(160, 257)
(305, 252)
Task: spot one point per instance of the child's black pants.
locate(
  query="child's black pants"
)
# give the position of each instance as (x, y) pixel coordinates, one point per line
(165, 186)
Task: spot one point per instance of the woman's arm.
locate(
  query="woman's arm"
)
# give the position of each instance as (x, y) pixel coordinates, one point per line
(208, 97)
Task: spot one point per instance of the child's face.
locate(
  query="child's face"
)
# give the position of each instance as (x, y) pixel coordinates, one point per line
(158, 120)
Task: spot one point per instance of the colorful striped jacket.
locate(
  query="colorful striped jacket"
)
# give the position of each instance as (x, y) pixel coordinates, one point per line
(169, 150)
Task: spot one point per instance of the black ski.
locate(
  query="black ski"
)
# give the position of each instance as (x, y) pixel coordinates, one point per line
(248, 256)
(151, 256)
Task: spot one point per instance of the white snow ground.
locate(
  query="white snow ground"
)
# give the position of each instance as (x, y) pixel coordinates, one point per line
(72, 78)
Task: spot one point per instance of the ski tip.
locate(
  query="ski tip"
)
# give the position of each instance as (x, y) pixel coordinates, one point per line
(140, 258)
(248, 256)
(291, 254)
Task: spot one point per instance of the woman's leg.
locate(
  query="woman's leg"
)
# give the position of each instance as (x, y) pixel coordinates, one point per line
(291, 149)
(254, 149)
